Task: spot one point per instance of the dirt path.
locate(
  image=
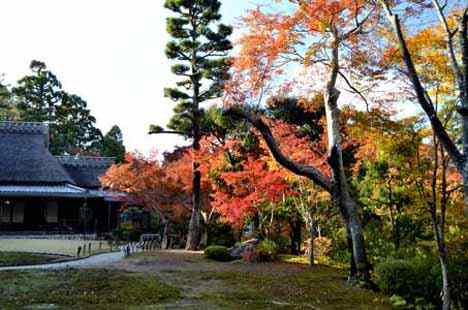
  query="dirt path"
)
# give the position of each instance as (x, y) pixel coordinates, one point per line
(100, 260)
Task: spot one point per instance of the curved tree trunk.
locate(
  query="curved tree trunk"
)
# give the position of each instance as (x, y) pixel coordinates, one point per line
(340, 188)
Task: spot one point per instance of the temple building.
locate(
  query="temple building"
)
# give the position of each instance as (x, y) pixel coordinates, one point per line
(42, 193)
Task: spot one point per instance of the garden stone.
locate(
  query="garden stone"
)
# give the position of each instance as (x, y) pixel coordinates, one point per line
(237, 250)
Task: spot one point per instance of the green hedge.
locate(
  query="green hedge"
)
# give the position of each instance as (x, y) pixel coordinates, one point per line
(218, 253)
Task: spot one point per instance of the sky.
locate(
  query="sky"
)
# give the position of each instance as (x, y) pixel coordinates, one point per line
(109, 52)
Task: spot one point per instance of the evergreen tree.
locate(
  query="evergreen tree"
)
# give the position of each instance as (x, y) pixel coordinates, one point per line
(199, 46)
(38, 94)
(7, 107)
(112, 145)
(40, 98)
(74, 127)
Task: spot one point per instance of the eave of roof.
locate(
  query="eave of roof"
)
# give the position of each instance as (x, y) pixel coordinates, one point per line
(54, 191)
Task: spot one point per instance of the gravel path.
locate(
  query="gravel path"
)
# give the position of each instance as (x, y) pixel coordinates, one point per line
(93, 261)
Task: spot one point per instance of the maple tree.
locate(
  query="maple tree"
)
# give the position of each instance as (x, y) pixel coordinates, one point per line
(148, 183)
(315, 34)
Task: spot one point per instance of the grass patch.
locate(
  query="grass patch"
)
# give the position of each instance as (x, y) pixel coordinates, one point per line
(293, 259)
(22, 259)
(82, 289)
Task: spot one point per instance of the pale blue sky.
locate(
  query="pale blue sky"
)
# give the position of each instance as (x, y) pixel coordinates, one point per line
(110, 52)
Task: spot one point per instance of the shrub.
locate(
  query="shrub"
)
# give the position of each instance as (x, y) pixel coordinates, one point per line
(127, 232)
(410, 278)
(218, 252)
(283, 243)
(420, 278)
(220, 234)
(267, 251)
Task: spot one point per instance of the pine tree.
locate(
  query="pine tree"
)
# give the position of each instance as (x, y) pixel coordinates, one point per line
(112, 145)
(38, 94)
(39, 97)
(199, 46)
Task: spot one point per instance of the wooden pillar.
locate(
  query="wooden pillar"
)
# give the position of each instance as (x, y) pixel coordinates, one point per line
(109, 211)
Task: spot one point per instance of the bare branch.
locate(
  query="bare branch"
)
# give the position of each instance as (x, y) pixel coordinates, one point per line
(450, 46)
(354, 89)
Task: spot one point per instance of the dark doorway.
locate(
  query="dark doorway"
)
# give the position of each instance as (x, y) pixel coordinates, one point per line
(34, 214)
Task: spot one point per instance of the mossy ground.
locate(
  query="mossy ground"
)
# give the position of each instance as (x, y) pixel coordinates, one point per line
(82, 289)
(22, 259)
(180, 279)
(236, 285)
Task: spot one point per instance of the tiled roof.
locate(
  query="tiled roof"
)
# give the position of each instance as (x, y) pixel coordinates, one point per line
(86, 161)
(86, 171)
(57, 191)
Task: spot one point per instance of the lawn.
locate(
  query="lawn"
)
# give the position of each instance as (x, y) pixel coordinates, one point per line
(61, 247)
(22, 259)
(82, 289)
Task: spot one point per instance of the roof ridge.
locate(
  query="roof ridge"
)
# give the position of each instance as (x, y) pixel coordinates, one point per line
(85, 161)
(24, 127)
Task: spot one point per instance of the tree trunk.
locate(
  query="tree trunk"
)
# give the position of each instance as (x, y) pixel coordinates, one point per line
(195, 229)
(311, 229)
(360, 266)
(446, 298)
(194, 233)
(296, 226)
(165, 236)
(442, 253)
(204, 237)
(352, 262)
(341, 195)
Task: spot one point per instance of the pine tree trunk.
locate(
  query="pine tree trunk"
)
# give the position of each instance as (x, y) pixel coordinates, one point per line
(194, 233)
(195, 226)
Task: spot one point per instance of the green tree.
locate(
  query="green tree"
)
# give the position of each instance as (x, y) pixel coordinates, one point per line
(112, 145)
(74, 128)
(38, 94)
(40, 98)
(199, 46)
(7, 107)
